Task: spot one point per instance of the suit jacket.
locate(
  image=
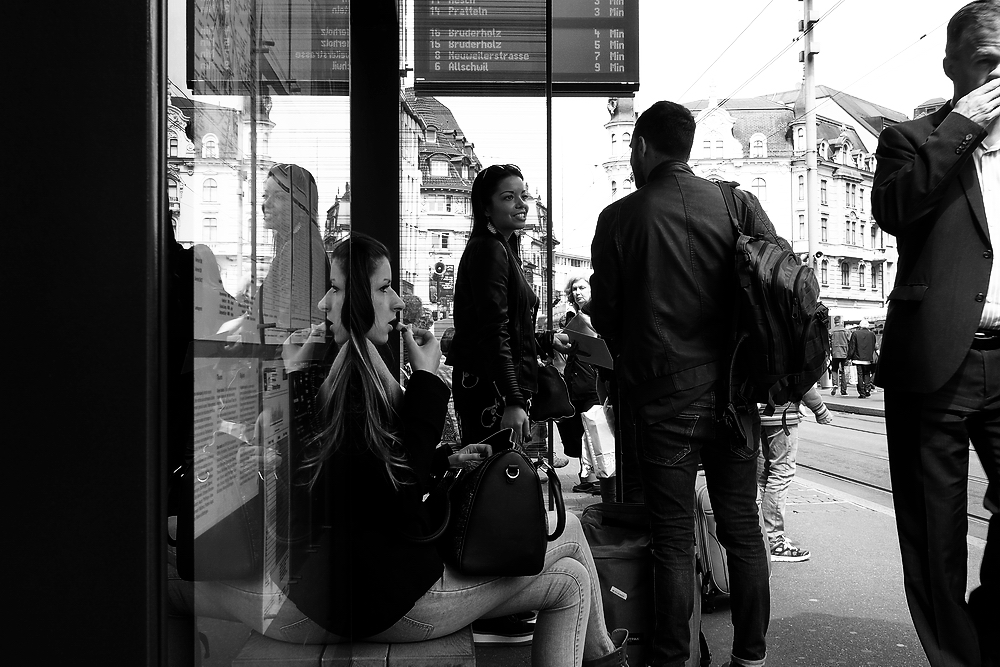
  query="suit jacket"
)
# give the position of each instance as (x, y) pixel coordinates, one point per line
(664, 286)
(927, 194)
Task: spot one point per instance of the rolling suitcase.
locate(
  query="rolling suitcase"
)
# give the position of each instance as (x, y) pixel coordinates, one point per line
(711, 554)
(619, 539)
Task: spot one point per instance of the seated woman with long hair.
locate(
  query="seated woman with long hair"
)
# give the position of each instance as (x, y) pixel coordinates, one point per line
(364, 578)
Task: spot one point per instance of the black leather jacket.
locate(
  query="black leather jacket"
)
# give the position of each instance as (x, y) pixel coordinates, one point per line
(495, 312)
(664, 284)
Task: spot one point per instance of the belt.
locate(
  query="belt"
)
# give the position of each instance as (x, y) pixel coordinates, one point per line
(986, 339)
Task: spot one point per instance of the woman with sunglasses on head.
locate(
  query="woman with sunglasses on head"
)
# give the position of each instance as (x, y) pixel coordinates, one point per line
(494, 351)
(365, 577)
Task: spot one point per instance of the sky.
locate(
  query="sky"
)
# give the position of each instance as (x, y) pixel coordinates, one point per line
(885, 51)
(868, 48)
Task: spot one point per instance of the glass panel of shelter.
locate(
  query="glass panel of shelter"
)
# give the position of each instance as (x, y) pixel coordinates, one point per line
(259, 188)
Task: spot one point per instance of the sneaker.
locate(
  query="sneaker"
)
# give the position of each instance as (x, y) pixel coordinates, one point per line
(784, 551)
(511, 630)
(833, 393)
(559, 461)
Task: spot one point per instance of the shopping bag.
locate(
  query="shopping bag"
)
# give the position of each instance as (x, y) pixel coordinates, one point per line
(601, 435)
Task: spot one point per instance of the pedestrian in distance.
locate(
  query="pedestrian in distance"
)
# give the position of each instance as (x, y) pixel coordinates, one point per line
(937, 190)
(581, 381)
(861, 353)
(664, 290)
(776, 469)
(838, 355)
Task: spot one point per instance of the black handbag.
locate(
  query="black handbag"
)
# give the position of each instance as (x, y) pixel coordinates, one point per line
(495, 515)
(551, 400)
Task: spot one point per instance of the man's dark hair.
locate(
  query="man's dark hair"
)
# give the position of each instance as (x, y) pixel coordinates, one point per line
(668, 127)
(981, 14)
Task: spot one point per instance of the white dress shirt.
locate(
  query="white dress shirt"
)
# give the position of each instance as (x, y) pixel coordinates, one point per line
(987, 159)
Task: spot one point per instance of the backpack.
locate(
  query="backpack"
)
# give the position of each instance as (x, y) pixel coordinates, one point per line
(782, 329)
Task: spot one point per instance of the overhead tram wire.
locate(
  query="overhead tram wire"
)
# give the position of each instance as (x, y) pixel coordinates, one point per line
(863, 76)
(781, 53)
(700, 76)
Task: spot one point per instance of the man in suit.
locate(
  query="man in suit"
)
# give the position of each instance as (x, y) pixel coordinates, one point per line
(663, 295)
(936, 190)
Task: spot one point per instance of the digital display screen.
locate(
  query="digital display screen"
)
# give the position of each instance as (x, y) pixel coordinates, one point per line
(468, 47)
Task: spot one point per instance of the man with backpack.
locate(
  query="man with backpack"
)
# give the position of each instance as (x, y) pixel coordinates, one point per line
(664, 294)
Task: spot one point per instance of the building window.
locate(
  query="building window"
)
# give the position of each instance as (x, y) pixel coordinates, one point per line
(718, 148)
(850, 195)
(861, 276)
(627, 186)
(209, 146)
(854, 233)
(465, 171)
(759, 187)
(861, 200)
(874, 235)
(862, 235)
(802, 188)
(822, 191)
(824, 272)
(614, 188)
(758, 146)
(707, 148)
(211, 229)
(614, 143)
(439, 240)
(439, 168)
(431, 135)
(171, 189)
(823, 230)
(874, 276)
(800, 139)
(802, 226)
(209, 189)
(173, 145)
(845, 275)
(626, 138)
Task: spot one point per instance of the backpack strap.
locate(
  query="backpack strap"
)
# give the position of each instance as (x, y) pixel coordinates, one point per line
(728, 196)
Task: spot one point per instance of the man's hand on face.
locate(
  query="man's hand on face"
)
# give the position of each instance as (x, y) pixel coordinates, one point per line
(982, 105)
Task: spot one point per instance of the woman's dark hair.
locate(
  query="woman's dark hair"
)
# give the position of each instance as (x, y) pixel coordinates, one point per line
(354, 395)
(485, 186)
(301, 185)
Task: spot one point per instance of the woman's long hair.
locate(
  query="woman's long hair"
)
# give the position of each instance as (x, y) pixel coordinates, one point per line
(483, 188)
(354, 399)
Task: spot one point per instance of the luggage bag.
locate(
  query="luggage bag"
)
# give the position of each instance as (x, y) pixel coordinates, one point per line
(619, 539)
(711, 554)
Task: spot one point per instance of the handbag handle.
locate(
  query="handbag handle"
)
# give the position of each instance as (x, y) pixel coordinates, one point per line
(556, 487)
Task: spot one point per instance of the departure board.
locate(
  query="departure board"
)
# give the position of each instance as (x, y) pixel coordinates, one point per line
(498, 47)
(304, 47)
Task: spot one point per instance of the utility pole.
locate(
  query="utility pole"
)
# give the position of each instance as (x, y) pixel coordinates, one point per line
(807, 58)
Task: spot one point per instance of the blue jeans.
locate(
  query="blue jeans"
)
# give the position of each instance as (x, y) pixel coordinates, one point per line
(775, 470)
(666, 454)
(570, 625)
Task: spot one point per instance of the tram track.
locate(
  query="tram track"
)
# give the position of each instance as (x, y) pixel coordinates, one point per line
(977, 484)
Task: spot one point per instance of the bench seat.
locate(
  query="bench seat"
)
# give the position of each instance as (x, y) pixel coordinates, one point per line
(455, 650)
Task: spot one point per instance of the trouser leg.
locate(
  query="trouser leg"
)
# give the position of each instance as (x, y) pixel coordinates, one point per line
(777, 459)
(928, 437)
(730, 465)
